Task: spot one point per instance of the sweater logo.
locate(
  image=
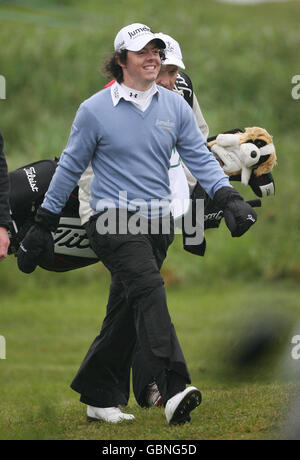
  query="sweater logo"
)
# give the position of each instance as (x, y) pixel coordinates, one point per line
(165, 124)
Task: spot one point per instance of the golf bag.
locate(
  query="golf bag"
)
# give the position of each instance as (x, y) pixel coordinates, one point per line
(28, 186)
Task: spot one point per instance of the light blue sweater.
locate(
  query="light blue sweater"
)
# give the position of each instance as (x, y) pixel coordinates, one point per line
(130, 151)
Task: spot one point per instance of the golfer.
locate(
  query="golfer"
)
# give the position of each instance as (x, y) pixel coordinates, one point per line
(181, 186)
(4, 203)
(128, 132)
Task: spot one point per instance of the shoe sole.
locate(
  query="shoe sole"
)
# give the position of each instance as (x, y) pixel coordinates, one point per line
(93, 419)
(189, 403)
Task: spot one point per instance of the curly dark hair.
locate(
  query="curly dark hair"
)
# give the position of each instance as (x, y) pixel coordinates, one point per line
(111, 68)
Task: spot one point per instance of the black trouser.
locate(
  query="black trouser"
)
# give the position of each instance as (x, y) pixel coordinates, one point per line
(137, 312)
(142, 376)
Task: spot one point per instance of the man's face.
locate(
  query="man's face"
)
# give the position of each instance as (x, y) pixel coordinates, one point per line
(142, 67)
(167, 76)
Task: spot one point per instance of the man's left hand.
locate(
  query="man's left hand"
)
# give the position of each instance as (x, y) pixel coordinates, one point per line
(238, 214)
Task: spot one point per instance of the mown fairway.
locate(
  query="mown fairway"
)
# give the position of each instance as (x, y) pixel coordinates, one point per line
(49, 328)
(242, 60)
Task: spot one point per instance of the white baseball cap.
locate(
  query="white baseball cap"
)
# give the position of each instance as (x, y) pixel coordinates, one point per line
(134, 37)
(172, 51)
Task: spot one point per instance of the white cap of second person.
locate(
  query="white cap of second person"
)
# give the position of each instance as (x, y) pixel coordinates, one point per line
(135, 37)
(172, 51)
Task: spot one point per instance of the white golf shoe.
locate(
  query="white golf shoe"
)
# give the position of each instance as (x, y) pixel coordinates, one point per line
(178, 407)
(107, 414)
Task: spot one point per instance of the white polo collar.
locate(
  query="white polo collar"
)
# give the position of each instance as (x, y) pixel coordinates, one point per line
(120, 91)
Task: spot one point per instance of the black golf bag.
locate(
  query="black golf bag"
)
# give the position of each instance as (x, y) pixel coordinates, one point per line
(28, 186)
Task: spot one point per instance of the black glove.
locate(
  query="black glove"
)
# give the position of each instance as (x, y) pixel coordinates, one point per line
(38, 245)
(213, 215)
(238, 214)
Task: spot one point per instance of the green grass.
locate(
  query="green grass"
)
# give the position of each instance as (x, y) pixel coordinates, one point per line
(241, 60)
(49, 329)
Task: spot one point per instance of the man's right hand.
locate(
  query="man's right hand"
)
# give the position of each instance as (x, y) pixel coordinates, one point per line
(37, 245)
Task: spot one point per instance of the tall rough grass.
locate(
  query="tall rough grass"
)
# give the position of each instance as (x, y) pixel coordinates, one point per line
(241, 60)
